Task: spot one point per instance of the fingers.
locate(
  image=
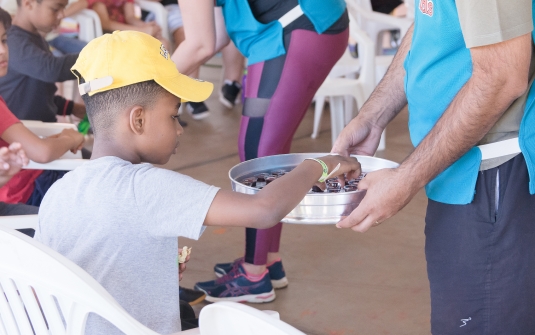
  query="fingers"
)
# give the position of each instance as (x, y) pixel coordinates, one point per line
(182, 267)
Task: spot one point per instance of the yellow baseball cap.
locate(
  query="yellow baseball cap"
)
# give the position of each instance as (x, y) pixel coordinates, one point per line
(129, 57)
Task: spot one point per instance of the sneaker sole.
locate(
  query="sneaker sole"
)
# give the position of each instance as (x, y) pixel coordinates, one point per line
(251, 298)
(200, 116)
(225, 102)
(277, 283)
(198, 300)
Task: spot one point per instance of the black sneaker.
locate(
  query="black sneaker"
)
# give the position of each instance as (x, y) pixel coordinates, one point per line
(230, 93)
(197, 110)
(190, 296)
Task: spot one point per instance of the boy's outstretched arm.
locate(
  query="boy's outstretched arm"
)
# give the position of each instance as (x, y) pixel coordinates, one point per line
(267, 207)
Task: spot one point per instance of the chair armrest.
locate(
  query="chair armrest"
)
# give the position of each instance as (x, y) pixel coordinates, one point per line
(45, 129)
(159, 12)
(20, 221)
(59, 164)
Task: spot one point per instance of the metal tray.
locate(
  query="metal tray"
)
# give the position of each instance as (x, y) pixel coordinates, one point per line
(315, 208)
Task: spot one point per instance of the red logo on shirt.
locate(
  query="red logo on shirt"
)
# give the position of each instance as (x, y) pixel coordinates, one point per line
(426, 7)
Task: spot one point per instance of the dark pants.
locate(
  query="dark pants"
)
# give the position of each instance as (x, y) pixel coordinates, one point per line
(188, 319)
(481, 257)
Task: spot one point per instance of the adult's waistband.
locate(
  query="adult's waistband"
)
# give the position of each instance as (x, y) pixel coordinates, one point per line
(500, 149)
(291, 16)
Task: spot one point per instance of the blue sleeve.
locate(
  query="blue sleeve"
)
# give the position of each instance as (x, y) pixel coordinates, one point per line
(30, 60)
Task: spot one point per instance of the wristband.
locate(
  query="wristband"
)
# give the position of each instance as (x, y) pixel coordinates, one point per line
(325, 173)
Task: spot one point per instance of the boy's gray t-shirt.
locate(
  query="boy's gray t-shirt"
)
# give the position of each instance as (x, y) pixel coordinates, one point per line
(120, 222)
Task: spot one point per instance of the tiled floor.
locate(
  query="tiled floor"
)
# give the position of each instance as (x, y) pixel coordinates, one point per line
(341, 282)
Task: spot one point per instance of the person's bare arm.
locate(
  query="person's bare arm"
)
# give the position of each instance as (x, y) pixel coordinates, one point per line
(199, 30)
(43, 150)
(78, 110)
(499, 76)
(75, 7)
(362, 135)
(273, 202)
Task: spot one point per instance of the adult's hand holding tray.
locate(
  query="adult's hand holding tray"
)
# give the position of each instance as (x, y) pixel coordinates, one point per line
(315, 208)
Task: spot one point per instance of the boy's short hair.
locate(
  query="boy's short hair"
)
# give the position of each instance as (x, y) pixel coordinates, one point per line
(5, 18)
(102, 108)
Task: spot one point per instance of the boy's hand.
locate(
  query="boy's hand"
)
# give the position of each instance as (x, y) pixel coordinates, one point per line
(182, 268)
(349, 165)
(12, 159)
(76, 138)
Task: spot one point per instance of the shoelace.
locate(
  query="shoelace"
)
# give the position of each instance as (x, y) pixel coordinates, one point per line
(234, 273)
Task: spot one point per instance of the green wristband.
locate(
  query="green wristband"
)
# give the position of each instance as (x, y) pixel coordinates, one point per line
(325, 168)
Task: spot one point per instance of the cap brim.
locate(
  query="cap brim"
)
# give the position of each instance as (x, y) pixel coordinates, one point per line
(186, 88)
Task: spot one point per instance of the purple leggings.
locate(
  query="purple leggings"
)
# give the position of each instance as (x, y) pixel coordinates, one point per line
(277, 96)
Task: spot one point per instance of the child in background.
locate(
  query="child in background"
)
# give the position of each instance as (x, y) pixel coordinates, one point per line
(30, 84)
(29, 186)
(120, 15)
(120, 215)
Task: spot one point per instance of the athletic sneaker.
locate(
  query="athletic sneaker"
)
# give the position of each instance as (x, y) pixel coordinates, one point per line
(239, 287)
(276, 272)
(190, 296)
(197, 110)
(230, 93)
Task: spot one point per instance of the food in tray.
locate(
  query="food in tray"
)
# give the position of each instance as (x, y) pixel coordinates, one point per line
(332, 185)
(183, 254)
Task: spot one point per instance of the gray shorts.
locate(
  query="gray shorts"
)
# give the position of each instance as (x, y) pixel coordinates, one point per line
(174, 17)
(481, 257)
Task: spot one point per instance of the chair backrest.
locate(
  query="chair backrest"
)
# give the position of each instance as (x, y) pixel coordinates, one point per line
(366, 48)
(231, 318)
(43, 293)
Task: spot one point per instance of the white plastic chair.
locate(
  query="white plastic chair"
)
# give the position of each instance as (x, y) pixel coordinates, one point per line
(35, 278)
(68, 161)
(160, 14)
(89, 23)
(20, 222)
(231, 318)
(40, 287)
(375, 23)
(360, 89)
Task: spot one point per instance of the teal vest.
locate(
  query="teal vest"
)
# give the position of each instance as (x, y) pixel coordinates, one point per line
(437, 67)
(259, 42)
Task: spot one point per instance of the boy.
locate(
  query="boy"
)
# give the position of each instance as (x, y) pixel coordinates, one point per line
(29, 186)
(117, 216)
(30, 84)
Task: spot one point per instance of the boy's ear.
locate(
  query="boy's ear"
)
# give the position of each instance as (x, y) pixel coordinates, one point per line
(137, 120)
(28, 4)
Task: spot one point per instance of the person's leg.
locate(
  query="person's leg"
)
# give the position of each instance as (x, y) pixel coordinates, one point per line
(277, 96)
(276, 101)
(233, 64)
(481, 257)
(42, 184)
(67, 45)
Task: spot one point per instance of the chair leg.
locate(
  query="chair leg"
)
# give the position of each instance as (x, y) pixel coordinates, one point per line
(337, 116)
(318, 111)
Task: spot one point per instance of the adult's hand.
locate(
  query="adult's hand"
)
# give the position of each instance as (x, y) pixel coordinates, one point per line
(359, 137)
(387, 192)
